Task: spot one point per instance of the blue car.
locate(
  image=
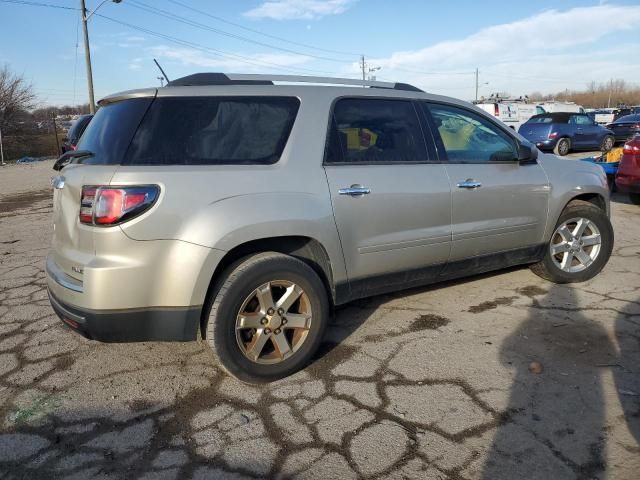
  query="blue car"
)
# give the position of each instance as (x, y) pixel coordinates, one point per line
(563, 132)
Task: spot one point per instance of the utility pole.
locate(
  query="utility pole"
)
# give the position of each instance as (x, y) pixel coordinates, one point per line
(87, 57)
(161, 81)
(610, 88)
(476, 84)
(87, 50)
(363, 67)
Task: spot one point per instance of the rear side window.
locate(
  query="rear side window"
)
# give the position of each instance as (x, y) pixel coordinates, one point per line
(369, 130)
(109, 133)
(580, 120)
(213, 131)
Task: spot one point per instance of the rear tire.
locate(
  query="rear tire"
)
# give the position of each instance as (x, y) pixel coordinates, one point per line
(248, 329)
(563, 147)
(564, 266)
(607, 143)
(635, 198)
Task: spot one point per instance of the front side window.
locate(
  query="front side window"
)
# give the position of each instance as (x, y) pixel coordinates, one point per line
(213, 131)
(370, 130)
(469, 138)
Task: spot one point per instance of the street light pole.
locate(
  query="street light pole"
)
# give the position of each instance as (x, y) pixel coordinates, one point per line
(87, 50)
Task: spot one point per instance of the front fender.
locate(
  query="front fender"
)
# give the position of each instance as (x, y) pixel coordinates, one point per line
(570, 179)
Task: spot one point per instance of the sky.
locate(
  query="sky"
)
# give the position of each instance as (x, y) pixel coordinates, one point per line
(517, 46)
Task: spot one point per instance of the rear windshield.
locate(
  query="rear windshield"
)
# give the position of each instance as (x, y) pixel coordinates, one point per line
(540, 120)
(213, 131)
(109, 133)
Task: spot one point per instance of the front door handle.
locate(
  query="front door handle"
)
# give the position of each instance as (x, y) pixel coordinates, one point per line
(355, 190)
(469, 183)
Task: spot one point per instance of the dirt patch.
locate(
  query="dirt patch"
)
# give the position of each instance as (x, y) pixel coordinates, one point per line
(429, 321)
(484, 306)
(532, 290)
(23, 200)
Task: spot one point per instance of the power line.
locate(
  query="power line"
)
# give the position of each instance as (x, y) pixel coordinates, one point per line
(210, 50)
(274, 37)
(38, 4)
(193, 23)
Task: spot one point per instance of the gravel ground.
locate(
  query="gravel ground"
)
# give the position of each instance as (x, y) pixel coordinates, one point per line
(429, 383)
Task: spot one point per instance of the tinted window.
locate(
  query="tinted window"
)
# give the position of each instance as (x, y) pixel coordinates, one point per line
(540, 120)
(75, 132)
(468, 137)
(375, 131)
(213, 131)
(629, 118)
(109, 133)
(539, 109)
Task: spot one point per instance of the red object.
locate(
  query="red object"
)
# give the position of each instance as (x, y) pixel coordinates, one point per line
(109, 205)
(496, 109)
(71, 323)
(628, 176)
(553, 135)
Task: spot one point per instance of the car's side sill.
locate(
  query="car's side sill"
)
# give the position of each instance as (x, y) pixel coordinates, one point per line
(391, 282)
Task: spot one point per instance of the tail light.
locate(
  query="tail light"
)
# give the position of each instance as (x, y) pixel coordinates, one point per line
(553, 135)
(631, 148)
(496, 109)
(114, 205)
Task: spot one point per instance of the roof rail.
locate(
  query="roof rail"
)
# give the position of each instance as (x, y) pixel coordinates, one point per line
(198, 79)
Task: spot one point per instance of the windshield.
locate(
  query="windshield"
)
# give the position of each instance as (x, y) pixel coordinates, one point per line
(109, 133)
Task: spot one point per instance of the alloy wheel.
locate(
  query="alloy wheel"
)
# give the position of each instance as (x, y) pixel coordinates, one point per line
(575, 245)
(273, 322)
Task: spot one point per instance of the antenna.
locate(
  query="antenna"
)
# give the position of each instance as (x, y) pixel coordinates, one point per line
(161, 70)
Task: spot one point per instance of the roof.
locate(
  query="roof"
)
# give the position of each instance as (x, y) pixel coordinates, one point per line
(216, 78)
(558, 117)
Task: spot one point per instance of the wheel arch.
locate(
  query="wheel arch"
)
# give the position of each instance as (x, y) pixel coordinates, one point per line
(307, 249)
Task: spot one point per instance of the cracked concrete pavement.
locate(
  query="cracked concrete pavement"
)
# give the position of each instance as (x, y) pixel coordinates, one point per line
(430, 383)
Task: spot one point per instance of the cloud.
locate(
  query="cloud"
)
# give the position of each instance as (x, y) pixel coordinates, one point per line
(299, 9)
(196, 58)
(547, 51)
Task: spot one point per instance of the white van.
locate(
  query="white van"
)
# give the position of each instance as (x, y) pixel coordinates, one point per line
(555, 107)
(512, 114)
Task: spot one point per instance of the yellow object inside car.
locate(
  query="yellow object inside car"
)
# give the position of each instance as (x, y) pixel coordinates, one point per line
(359, 138)
(458, 136)
(614, 155)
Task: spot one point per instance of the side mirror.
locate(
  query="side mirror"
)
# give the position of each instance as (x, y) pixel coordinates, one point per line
(527, 153)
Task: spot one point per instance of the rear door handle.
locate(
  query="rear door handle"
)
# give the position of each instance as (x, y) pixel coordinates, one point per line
(355, 190)
(469, 183)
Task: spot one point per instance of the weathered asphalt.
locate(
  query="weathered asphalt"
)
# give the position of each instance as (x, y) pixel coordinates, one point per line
(427, 383)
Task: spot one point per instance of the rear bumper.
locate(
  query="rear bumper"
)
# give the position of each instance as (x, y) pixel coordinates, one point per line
(136, 325)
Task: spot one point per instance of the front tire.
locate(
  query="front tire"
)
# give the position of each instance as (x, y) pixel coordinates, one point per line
(580, 245)
(607, 143)
(267, 317)
(563, 147)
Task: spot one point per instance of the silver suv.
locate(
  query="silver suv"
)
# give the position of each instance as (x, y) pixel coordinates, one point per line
(233, 208)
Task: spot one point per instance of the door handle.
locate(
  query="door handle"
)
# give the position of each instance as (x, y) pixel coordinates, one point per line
(469, 183)
(355, 190)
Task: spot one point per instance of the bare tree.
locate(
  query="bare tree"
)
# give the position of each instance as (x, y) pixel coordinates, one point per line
(16, 97)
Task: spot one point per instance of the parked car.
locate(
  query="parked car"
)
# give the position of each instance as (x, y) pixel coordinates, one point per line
(628, 176)
(625, 127)
(513, 114)
(242, 211)
(75, 132)
(563, 132)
